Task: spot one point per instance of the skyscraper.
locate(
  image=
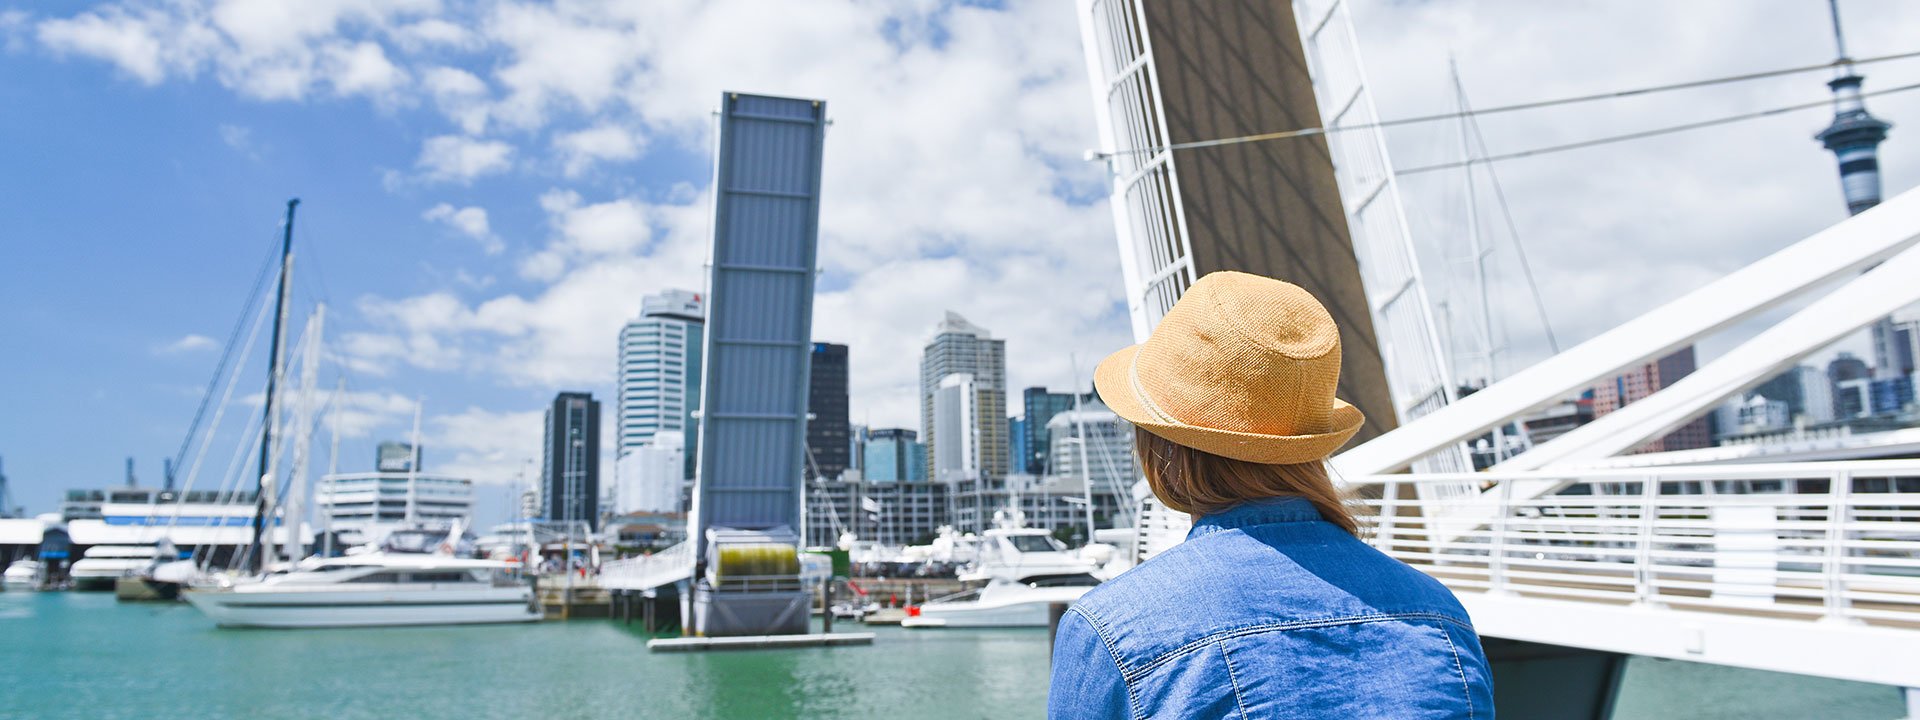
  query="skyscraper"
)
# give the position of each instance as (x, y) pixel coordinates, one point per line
(659, 386)
(1040, 405)
(1017, 449)
(955, 430)
(827, 427)
(895, 455)
(570, 466)
(959, 347)
(1646, 380)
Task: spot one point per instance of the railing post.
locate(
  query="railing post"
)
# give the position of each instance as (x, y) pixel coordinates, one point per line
(1643, 547)
(1389, 507)
(1497, 557)
(1840, 495)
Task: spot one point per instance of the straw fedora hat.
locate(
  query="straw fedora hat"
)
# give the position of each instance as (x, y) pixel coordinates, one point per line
(1242, 367)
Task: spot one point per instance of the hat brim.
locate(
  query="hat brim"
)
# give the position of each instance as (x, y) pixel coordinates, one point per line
(1113, 381)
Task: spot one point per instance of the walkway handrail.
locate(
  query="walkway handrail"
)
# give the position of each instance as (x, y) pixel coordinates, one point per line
(1835, 541)
(649, 571)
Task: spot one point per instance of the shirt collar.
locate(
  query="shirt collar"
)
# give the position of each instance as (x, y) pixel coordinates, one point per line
(1256, 512)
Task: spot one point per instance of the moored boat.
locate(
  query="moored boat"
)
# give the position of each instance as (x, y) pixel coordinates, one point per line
(371, 590)
(1021, 573)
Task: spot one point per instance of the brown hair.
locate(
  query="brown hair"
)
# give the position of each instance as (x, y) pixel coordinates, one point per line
(1199, 482)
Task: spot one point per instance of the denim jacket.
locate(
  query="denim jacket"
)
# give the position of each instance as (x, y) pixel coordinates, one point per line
(1269, 611)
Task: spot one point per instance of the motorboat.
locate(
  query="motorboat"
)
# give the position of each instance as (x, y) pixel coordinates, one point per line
(1020, 574)
(22, 575)
(102, 565)
(372, 589)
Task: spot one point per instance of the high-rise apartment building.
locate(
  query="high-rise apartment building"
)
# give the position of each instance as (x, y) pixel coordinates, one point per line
(828, 445)
(959, 347)
(1645, 380)
(1805, 390)
(956, 430)
(659, 382)
(894, 455)
(1040, 405)
(570, 468)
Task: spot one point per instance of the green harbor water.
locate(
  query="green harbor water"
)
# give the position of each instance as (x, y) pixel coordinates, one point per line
(84, 655)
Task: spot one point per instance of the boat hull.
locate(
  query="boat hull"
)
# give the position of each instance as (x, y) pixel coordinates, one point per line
(1031, 610)
(368, 608)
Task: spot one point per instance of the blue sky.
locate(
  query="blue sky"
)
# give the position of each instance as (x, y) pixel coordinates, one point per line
(487, 191)
(489, 188)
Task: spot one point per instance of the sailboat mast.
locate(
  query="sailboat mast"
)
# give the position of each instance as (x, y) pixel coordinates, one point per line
(254, 561)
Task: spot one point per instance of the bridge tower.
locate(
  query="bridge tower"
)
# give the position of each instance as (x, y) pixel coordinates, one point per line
(759, 327)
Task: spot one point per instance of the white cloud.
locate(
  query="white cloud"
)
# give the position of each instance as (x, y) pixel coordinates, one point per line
(583, 149)
(489, 447)
(460, 95)
(240, 138)
(454, 158)
(187, 343)
(362, 69)
(470, 221)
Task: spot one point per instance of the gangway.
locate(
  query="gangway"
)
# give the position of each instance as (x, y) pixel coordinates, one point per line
(649, 572)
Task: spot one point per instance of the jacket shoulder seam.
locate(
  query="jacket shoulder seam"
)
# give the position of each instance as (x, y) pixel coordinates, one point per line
(1134, 708)
(1134, 672)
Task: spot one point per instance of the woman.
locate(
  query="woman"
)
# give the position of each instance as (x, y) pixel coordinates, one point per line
(1272, 608)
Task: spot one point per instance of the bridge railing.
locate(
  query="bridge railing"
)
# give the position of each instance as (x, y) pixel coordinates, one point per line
(649, 571)
(1833, 541)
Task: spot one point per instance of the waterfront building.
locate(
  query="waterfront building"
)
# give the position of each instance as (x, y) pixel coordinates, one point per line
(1891, 395)
(1040, 405)
(1896, 346)
(367, 506)
(648, 478)
(1555, 420)
(396, 456)
(1804, 389)
(1017, 449)
(889, 513)
(857, 447)
(894, 455)
(570, 466)
(955, 430)
(1646, 380)
(1757, 413)
(959, 347)
(1110, 462)
(218, 523)
(659, 381)
(828, 445)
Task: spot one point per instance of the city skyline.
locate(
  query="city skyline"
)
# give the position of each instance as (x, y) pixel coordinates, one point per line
(510, 218)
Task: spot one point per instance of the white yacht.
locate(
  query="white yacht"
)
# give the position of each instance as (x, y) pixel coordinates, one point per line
(22, 575)
(103, 564)
(372, 589)
(1019, 574)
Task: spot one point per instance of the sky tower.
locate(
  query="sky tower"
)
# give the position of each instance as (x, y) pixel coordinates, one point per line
(1854, 137)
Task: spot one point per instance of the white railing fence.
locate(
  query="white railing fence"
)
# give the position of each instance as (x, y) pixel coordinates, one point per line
(649, 571)
(1814, 541)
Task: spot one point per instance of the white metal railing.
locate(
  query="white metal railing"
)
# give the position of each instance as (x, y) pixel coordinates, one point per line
(1810, 541)
(649, 571)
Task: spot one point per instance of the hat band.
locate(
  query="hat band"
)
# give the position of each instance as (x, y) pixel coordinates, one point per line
(1140, 392)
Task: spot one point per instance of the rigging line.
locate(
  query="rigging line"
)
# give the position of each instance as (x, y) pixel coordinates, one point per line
(1513, 232)
(1655, 132)
(1499, 109)
(246, 308)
